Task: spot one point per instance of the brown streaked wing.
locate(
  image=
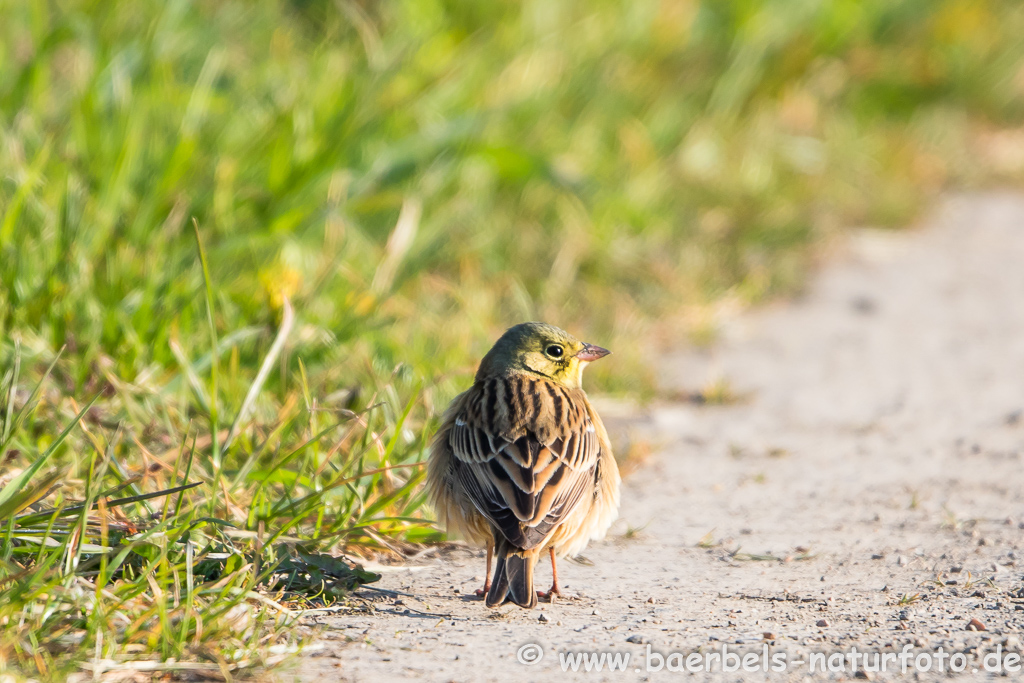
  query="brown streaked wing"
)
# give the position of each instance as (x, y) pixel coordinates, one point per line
(527, 463)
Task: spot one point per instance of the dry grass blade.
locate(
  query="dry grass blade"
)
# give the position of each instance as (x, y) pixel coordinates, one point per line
(398, 244)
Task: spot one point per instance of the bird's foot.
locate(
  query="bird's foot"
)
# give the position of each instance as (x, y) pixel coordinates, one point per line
(550, 595)
(482, 592)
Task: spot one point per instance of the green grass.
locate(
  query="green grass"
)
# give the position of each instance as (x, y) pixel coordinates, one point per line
(129, 546)
(408, 178)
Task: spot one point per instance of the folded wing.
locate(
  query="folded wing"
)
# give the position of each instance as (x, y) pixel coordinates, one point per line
(528, 466)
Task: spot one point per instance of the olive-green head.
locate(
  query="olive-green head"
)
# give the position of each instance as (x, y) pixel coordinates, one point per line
(540, 349)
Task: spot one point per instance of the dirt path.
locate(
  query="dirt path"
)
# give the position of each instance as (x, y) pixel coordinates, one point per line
(879, 456)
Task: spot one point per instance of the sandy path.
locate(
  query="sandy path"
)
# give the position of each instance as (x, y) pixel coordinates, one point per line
(880, 450)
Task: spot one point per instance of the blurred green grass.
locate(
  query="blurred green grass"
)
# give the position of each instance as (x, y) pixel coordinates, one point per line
(412, 177)
(593, 164)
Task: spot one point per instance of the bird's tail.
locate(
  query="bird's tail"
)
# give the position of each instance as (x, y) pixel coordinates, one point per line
(513, 577)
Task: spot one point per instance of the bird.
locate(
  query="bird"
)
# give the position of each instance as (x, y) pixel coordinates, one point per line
(521, 463)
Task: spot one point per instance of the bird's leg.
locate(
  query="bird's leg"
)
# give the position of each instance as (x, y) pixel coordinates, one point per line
(550, 595)
(487, 577)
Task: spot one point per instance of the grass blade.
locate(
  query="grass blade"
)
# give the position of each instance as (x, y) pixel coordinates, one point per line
(21, 481)
(214, 364)
(287, 320)
(27, 408)
(12, 392)
(36, 517)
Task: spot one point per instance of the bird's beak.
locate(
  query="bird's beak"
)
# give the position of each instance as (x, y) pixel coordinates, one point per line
(591, 353)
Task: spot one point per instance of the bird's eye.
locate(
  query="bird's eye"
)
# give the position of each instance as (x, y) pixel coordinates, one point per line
(555, 351)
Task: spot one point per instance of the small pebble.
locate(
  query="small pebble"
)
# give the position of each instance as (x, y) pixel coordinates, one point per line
(823, 623)
(543, 618)
(976, 625)
(638, 640)
(768, 635)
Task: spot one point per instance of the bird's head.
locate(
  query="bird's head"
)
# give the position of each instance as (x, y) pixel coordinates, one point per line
(543, 350)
